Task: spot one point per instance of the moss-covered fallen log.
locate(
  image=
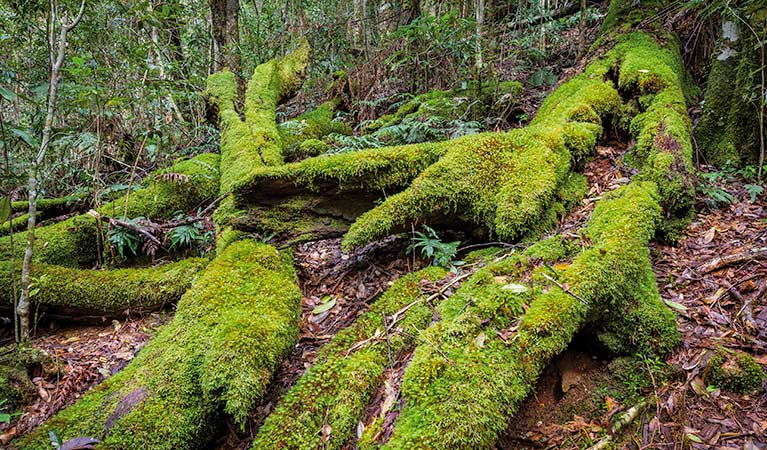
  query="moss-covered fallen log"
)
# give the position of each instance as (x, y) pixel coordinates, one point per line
(82, 293)
(47, 208)
(492, 351)
(254, 142)
(231, 331)
(73, 242)
(339, 386)
(475, 366)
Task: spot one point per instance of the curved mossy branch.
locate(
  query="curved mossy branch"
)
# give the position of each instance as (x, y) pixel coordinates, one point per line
(63, 291)
(493, 350)
(231, 331)
(73, 242)
(339, 386)
(255, 142)
(320, 197)
(502, 181)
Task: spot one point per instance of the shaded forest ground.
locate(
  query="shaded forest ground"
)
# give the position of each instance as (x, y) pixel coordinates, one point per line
(576, 396)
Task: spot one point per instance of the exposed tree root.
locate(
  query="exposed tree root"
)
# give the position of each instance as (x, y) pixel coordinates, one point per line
(475, 366)
(82, 294)
(230, 332)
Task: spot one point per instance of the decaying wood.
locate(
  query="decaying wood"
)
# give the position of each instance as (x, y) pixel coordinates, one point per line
(751, 254)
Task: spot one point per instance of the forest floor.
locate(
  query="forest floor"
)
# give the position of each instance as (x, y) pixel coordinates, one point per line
(722, 307)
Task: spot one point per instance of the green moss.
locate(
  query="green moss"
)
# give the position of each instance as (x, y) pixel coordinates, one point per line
(17, 224)
(728, 131)
(663, 131)
(250, 144)
(47, 208)
(505, 182)
(338, 387)
(105, 292)
(301, 135)
(183, 187)
(462, 395)
(373, 170)
(230, 332)
(16, 364)
(735, 371)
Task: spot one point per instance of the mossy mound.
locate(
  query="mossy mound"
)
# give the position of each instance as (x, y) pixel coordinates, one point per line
(302, 136)
(182, 187)
(16, 365)
(735, 371)
(230, 332)
(338, 387)
(68, 291)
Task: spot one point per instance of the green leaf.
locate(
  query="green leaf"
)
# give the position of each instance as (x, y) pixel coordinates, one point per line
(326, 305)
(5, 209)
(7, 94)
(5, 418)
(674, 305)
(26, 137)
(694, 438)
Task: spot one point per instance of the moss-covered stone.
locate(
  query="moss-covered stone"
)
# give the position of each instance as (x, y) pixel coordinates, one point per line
(64, 290)
(735, 371)
(182, 187)
(338, 387)
(230, 332)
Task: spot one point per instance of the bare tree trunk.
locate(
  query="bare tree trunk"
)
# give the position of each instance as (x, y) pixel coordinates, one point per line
(225, 16)
(56, 59)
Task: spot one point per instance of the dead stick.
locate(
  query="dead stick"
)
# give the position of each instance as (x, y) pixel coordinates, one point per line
(717, 263)
(566, 290)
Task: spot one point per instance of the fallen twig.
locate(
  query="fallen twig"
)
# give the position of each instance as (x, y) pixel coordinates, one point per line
(565, 289)
(719, 262)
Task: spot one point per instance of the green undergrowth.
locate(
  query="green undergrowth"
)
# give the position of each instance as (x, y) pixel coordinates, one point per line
(302, 136)
(104, 292)
(247, 145)
(348, 371)
(186, 185)
(230, 332)
(735, 371)
(463, 104)
(497, 334)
